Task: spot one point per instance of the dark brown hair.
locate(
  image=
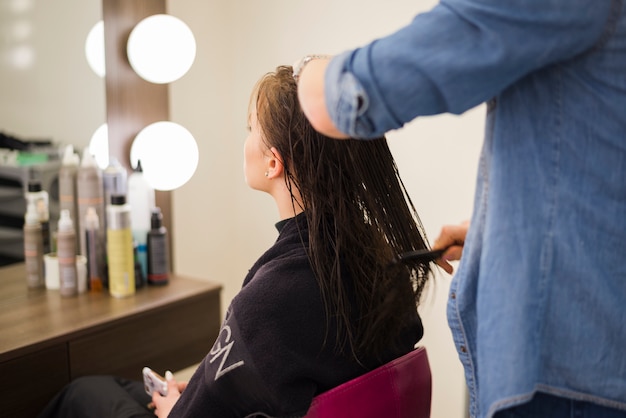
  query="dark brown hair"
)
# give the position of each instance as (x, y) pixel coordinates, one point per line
(360, 218)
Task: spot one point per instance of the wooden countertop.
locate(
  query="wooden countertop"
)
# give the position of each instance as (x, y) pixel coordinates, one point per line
(34, 319)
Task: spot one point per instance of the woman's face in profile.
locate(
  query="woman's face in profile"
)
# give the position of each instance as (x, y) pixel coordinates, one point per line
(254, 155)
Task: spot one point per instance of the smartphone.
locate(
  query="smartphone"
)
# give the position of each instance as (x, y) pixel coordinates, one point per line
(153, 381)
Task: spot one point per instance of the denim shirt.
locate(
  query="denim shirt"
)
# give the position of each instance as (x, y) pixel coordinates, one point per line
(538, 302)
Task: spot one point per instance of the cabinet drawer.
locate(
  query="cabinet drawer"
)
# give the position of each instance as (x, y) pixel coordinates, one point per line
(171, 338)
(31, 381)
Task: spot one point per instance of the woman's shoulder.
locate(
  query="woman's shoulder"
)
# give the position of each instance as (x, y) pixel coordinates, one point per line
(280, 300)
(282, 279)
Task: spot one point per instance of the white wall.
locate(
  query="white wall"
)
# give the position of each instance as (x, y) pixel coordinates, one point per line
(221, 227)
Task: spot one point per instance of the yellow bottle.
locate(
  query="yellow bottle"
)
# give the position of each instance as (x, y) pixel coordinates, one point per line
(120, 253)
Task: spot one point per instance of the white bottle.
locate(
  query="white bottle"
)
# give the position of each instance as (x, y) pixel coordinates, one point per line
(33, 249)
(141, 199)
(66, 254)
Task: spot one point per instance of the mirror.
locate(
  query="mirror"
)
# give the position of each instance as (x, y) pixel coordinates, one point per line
(48, 89)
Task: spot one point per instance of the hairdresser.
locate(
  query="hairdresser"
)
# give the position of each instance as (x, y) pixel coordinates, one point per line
(538, 304)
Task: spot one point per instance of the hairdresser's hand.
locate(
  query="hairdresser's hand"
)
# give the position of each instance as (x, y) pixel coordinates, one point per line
(451, 237)
(164, 404)
(312, 99)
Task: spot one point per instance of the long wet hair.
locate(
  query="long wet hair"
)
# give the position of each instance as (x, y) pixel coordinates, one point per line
(359, 216)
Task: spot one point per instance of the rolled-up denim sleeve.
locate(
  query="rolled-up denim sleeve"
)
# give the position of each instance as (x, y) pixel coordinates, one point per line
(454, 57)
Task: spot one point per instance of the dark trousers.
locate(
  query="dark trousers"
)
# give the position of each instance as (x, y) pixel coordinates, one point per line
(100, 397)
(549, 406)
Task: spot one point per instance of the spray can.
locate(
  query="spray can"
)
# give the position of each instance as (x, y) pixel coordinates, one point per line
(158, 250)
(89, 193)
(95, 254)
(114, 180)
(33, 248)
(68, 187)
(39, 198)
(66, 254)
(141, 199)
(120, 248)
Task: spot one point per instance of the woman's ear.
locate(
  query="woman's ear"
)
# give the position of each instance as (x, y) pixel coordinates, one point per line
(275, 167)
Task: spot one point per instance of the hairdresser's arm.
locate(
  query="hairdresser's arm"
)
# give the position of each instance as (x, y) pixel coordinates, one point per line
(448, 60)
(451, 237)
(312, 98)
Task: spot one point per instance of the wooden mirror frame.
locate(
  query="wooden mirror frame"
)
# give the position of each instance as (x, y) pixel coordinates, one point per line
(132, 103)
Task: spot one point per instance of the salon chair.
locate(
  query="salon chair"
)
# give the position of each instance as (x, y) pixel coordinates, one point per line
(399, 389)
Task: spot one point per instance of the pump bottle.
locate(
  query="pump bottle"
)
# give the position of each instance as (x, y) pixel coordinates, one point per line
(39, 198)
(66, 254)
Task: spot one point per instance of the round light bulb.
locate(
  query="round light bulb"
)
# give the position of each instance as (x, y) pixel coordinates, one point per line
(168, 154)
(94, 49)
(161, 48)
(99, 146)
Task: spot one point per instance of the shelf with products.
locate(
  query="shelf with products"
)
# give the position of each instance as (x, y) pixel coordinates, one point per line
(14, 180)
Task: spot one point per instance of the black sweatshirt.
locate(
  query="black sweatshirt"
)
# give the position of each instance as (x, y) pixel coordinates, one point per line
(270, 359)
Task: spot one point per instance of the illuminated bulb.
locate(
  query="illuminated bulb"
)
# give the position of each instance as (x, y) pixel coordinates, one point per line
(161, 48)
(168, 154)
(99, 146)
(94, 49)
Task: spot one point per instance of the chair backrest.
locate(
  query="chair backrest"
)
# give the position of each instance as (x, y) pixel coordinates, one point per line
(399, 389)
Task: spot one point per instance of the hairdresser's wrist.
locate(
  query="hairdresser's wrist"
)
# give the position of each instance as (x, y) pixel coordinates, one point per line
(298, 67)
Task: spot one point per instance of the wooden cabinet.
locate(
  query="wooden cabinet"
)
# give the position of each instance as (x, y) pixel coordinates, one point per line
(47, 340)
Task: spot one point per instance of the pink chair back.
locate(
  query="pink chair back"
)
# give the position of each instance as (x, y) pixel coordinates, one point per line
(399, 389)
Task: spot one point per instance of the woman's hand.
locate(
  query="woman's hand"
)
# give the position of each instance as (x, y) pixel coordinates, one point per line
(451, 237)
(164, 404)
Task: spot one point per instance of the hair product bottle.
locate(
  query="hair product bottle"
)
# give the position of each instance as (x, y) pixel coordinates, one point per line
(158, 250)
(66, 253)
(33, 249)
(67, 187)
(114, 181)
(89, 193)
(141, 200)
(39, 197)
(95, 253)
(120, 248)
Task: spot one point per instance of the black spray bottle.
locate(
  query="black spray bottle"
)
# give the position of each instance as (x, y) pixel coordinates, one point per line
(158, 250)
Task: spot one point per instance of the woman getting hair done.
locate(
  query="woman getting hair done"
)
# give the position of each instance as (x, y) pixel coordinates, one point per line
(325, 303)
